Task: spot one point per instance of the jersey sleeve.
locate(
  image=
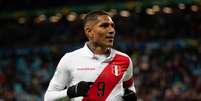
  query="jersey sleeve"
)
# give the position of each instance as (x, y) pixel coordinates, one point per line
(59, 82)
(128, 81)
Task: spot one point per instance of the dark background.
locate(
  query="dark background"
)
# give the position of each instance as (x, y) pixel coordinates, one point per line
(162, 38)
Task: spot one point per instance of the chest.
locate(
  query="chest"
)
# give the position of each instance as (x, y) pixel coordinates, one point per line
(91, 69)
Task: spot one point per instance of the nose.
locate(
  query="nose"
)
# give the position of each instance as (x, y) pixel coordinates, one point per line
(112, 30)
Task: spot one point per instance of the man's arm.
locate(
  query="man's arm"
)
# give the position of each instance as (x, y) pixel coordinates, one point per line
(52, 95)
(60, 80)
(129, 95)
(59, 85)
(128, 85)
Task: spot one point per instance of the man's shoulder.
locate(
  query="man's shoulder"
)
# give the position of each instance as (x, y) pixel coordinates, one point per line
(73, 53)
(121, 53)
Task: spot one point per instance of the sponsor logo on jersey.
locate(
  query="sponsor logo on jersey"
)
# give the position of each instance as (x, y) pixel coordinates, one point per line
(86, 68)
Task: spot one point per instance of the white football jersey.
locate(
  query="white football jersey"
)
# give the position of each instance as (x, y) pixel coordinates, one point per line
(110, 75)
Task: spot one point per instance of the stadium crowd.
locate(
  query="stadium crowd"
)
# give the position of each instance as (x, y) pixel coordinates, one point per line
(165, 49)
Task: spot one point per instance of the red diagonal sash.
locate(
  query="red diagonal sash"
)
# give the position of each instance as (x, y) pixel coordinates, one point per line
(107, 80)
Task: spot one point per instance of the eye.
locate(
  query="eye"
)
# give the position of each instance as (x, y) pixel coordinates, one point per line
(104, 25)
(112, 25)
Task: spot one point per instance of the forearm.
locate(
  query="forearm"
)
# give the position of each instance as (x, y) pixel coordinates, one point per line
(132, 88)
(52, 95)
(129, 95)
(129, 91)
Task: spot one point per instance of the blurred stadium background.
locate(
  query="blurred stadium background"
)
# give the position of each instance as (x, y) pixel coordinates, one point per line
(163, 37)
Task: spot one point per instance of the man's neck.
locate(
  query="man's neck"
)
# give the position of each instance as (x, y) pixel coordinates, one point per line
(96, 49)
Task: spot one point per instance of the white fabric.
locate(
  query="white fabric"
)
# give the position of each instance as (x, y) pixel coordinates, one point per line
(83, 65)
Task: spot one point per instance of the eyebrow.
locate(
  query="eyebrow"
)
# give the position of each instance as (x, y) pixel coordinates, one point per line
(106, 23)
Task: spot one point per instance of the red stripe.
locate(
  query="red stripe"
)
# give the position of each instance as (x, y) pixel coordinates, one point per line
(128, 83)
(109, 79)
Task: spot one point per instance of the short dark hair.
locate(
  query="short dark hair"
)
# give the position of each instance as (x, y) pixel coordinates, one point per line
(91, 16)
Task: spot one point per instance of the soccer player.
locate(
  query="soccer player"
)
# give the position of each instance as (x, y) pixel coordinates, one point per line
(95, 72)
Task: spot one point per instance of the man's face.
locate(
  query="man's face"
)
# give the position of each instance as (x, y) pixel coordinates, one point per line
(102, 31)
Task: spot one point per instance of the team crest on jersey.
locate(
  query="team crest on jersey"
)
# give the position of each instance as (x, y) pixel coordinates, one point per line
(116, 70)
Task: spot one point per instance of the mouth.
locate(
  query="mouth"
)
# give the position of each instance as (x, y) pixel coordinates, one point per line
(109, 37)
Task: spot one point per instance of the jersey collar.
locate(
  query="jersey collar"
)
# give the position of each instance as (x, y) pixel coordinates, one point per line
(89, 53)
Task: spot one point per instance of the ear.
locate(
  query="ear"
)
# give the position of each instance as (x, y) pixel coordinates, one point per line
(88, 31)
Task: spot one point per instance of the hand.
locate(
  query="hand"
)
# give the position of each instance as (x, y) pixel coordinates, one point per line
(80, 89)
(129, 95)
